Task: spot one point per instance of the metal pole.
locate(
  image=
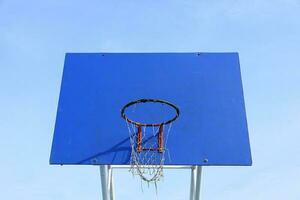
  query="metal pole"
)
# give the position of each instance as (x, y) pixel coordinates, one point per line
(111, 183)
(192, 187)
(103, 175)
(196, 172)
(198, 182)
(165, 166)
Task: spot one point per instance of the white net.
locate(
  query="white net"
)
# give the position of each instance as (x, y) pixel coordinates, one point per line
(148, 162)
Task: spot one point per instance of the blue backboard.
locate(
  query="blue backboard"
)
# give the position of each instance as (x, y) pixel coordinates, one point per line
(206, 87)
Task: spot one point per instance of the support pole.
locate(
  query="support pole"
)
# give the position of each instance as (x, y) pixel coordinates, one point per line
(103, 175)
(165, 166)
(106, 173)
(198, 182)
(193, 183)
(110, 183)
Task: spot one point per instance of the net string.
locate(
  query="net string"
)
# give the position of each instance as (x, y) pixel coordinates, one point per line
(148, 164)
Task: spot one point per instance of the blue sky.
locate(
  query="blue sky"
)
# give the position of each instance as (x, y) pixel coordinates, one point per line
(35, 35)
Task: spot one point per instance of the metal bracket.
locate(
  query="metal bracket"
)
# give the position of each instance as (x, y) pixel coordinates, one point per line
(106, 174)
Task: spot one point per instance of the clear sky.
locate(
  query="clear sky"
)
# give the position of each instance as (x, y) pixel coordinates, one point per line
(35, 35)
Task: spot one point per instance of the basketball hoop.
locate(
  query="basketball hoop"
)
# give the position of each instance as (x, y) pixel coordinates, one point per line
(148, 149)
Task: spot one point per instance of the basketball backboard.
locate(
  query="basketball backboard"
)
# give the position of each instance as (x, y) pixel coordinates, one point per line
(206, 87)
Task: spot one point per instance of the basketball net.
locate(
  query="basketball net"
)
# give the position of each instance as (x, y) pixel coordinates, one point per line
(148, 150)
